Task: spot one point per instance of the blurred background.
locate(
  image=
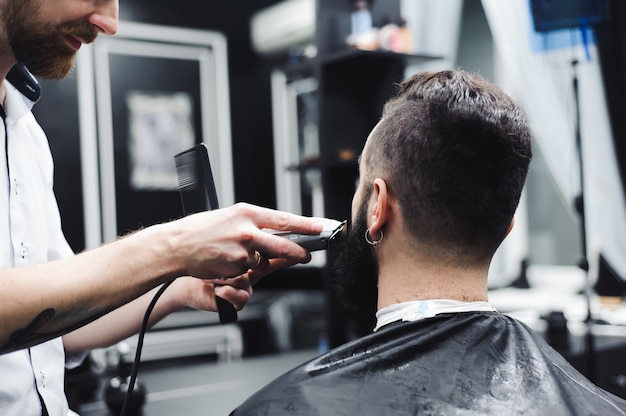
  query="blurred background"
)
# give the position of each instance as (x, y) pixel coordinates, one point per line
(284, 93)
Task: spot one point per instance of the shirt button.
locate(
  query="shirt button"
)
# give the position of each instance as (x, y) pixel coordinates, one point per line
(23, 251)
(43, 379)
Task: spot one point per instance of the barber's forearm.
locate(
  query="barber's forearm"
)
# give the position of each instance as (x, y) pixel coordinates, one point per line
(118, 324)
(38, 303)
(46, 301)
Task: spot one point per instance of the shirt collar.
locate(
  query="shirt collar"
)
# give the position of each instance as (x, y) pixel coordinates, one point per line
(422, 309)
(16, 105)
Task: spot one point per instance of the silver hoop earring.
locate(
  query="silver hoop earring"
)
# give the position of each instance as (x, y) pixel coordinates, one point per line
(371, 242)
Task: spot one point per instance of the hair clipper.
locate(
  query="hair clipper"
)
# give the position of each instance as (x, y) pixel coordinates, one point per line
(332, 233)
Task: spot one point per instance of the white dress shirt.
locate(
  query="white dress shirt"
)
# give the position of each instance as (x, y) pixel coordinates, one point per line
(30, 233)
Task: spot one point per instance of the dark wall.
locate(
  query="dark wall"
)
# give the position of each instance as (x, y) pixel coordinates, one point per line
(249, 82)
(612, 48)
(57, 112)
(250, 104)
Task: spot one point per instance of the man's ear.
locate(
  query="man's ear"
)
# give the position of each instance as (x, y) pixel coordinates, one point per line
(510, 227)
(379, 211)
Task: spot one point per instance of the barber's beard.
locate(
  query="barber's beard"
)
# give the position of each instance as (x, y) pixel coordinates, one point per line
(356, 269)
(39, 45)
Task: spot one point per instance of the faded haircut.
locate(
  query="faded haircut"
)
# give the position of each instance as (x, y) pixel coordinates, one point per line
(454, 150)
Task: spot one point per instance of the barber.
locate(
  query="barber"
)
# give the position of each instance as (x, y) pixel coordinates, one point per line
(54, 305)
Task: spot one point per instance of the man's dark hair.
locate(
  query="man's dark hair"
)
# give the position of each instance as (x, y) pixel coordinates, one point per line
(454, 150)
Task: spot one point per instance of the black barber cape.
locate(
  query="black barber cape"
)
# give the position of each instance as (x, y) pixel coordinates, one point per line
(474, 363)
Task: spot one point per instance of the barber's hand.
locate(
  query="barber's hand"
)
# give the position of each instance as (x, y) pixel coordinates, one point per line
(237, 290)
(200, 294)
(229, 242)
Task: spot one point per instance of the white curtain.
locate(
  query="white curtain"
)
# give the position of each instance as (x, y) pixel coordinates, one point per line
(540, 79)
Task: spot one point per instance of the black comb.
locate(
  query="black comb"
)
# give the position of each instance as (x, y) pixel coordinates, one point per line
(197, 194)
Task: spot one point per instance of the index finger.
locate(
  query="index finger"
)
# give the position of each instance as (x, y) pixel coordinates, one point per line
(285, 221)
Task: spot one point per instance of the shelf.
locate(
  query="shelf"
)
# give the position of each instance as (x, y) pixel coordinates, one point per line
(356, 54)
(306, 67)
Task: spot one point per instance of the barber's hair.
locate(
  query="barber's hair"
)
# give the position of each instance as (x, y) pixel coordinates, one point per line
(454, 150)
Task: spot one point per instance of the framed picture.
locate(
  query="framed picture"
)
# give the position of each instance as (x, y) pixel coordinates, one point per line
(147, 94)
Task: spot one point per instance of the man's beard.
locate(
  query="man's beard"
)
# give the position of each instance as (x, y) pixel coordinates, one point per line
(38, 45)
(356, 268)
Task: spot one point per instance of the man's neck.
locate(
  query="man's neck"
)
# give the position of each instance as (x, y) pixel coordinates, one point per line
(3, 75)
(7, 61)
(405, 275)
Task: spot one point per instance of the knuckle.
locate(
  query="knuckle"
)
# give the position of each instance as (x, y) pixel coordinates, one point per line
(243, 209)
(246, 235)
(283, 221)
(236, 256)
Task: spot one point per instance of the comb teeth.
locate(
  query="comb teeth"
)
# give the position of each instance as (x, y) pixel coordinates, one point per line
(195, 181)
(187, 166)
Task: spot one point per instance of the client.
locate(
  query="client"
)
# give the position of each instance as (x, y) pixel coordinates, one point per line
(440, 179)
